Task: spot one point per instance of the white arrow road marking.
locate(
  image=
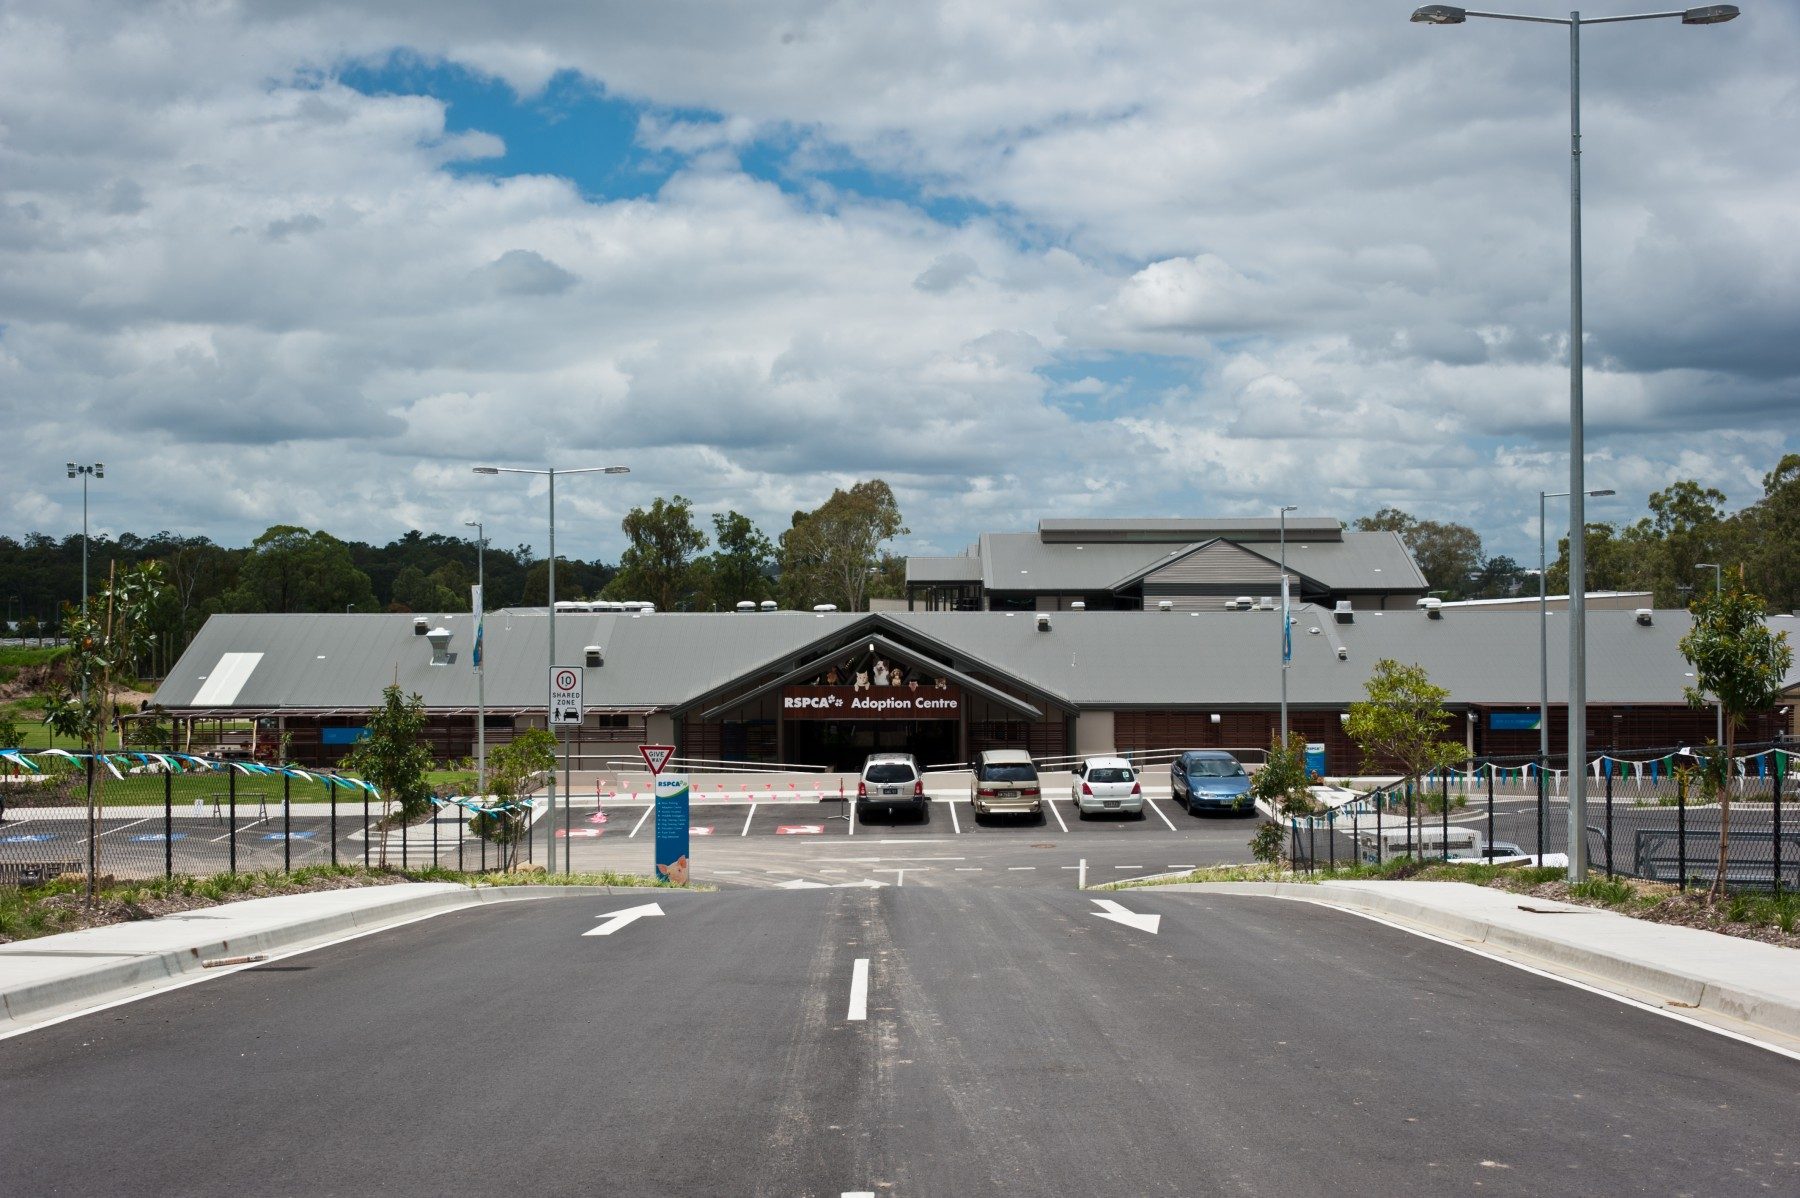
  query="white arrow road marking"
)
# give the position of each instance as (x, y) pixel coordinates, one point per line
(801, 884)
(865, 884)
(1131, 919)
(618, 919)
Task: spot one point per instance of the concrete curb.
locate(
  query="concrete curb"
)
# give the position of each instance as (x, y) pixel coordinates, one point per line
(1775, 1011)
(134, 972)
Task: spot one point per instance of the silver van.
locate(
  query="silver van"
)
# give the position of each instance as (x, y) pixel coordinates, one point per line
(1006, 783)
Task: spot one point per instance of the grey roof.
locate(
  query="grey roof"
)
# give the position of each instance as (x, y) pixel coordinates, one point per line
(963, 568)
(1086, 660)
(1361, 561)
(1182, 530)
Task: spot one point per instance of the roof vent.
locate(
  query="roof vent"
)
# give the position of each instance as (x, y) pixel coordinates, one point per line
(1165, 605)
(1267, 603)
(1246, 602)
(596, 656)
(1645, 616)
(1231, 605)
(822, 608)
(1343, 653)
(1078, 605)
(747, 605)
(440, 645)
(1432, 607)
(1043, 623)
(421, 626)
(1343, 613)
(770, 605)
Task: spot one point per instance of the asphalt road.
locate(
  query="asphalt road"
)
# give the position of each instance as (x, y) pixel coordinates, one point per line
(1014, 1043)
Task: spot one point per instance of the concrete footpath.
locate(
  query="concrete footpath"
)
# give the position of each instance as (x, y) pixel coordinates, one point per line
(1684, 969)
(52, 976)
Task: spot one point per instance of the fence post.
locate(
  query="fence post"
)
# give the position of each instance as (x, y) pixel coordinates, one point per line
(93, 845)
(169, 822)
(403, 824)
(1490, 810)
(1609, 823)
(287, 823)
(1331, 836)
(1775, 814)
(1380, 798)
(231, 788)
(1409, 820)
(1445, 821)
(365, 794)
(1681, 828)
(435, 812)
(462, 822)
(331, 802)
(1543, 768)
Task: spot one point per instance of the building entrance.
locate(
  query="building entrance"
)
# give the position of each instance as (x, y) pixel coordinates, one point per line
(843, 744)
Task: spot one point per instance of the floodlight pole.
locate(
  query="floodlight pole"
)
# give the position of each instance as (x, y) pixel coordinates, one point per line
(480, 659)
(1286, 644)
(1448, 14)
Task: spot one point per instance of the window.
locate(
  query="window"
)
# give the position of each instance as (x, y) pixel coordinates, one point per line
(1110, 774)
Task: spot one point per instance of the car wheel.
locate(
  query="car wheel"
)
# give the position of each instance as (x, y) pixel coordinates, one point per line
(1079, 813)
(1140, 813)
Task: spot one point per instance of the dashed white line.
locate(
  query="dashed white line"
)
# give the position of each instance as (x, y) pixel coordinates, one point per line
(834, 870)
(723, 872)
(955, 824)
(1128, 867)
(640, 823)
(967, 869)
(859, 990)
(1159, 812)
(747, 820)
(1182, 867)
(1013, 869)
(1057, 814)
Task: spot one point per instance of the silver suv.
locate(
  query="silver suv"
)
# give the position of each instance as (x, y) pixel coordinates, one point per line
(892, 781)
(1006, 783)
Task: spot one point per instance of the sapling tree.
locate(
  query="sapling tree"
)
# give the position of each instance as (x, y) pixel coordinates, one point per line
(511, 768)
(1402, 723)
(1740, 664)
(1282, 781)
(395, 758)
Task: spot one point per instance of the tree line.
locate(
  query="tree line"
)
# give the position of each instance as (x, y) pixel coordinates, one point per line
(1758, 545)
(835, 553)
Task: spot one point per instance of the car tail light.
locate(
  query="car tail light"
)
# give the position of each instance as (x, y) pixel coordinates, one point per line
(988, 792)
(918, 787)
(862, 790)
(1087, 790)
(1031, 792)
(1136, 789)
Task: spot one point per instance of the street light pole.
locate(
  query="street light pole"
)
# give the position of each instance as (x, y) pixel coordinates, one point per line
(1287, 645)
(1718, 590)
(480, 655)
(550, 474)
(85, 472)
(1544, 656)
(1448, 14)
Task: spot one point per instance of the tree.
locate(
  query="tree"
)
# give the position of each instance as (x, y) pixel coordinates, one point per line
(511, 768)
(1739, 663)
(741, 566)
(292, 569)
(1445, 553)
(1282, 781)
(394, 757)
(830, 554)
(1402, 723)
(414, 591)
(658, 564)
(537, 582)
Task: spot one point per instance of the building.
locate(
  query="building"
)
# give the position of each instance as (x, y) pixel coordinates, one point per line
(758, 686)
(1180, 565)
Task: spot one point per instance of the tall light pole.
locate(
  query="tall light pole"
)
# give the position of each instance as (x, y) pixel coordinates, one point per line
(1544, 659)
(85, 472)
(550, 474)
(1447, 14)
(480, 650)
(1287, 643)
(1718, 589)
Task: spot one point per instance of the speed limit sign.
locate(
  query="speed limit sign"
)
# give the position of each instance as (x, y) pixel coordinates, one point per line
(565, 695)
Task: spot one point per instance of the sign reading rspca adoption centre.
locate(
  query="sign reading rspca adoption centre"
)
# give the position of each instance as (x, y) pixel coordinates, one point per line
(871, 703)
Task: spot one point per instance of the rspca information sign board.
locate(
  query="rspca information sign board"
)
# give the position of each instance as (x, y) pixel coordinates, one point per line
(672, 828)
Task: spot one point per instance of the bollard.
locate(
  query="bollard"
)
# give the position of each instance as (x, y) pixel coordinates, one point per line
(169, 822)
(231, 785)
(331, 802)
(287, 824)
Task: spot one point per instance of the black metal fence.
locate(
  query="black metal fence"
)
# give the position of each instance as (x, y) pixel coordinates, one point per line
(1649, 814)
(141, 815)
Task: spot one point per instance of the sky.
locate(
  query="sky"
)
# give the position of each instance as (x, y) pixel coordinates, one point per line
(297, 262)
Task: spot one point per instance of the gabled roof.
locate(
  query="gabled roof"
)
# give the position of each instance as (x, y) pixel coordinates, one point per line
(964, 568)
(1351, 561)
(1182, 530)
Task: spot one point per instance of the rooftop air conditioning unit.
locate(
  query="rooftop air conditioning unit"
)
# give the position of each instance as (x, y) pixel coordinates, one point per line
(421, 626)
(1165, 605)
(747, 605)
(1267, 603)
(1077, 605)
(1343, 653)
(770, 605)
(1432, 607)
(1043, 623)
(1231, 605)
(1246, 602)
(596, 656)
(1343, 613)
(1645, 616)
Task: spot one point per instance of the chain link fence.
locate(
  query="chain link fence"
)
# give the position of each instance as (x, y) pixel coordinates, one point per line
(142, 815)
(1650, 814)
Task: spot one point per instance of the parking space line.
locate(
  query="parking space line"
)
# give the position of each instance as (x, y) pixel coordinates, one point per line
(859, 990)
(747, 820)
(134, 823)
(1159, 813)
(1013, 869)
(1056, 813)
(966, 869)
(955, 824)
(239, 829)
(640, 823)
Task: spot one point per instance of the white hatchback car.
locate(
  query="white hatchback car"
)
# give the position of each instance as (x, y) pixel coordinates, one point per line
(1107, 784)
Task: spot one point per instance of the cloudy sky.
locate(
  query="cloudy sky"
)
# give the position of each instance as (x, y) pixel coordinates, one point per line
(284, 261)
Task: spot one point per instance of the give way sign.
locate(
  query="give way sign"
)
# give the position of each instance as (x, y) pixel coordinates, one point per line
(656, 756)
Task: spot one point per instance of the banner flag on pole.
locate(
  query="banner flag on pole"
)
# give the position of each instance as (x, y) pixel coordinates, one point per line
(475, 603)
(1287, 628)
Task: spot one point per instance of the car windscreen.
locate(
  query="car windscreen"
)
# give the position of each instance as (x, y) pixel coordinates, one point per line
(889, 771)
(1213, 768)
(1109, 774)
(1009, 772)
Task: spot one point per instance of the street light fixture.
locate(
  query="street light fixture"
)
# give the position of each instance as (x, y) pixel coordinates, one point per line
(1448, 14)
(1718, 588)
(551, 474)
(1287, 642)
(85, 472)
(480, 651)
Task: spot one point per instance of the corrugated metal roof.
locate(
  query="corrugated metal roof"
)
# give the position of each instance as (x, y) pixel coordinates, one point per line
(1091, 659)
(963, 568)
(1361, 561)
(1169, 530)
